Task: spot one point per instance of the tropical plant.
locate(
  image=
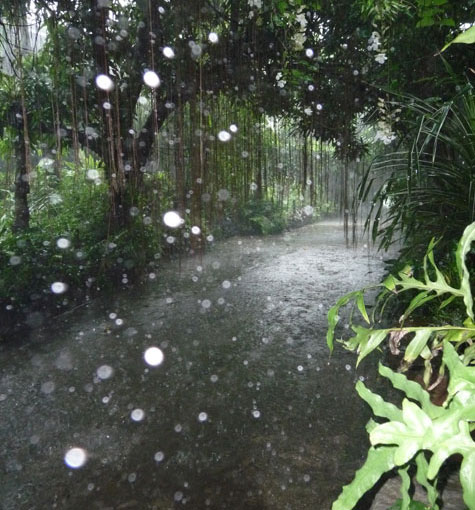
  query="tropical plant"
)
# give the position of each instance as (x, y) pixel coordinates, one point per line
(420, 433)
(428, 189)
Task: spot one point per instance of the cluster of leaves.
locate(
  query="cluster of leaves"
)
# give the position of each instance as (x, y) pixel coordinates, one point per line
(261, 217)
(421, 433)
(75, 209)
(431, 180)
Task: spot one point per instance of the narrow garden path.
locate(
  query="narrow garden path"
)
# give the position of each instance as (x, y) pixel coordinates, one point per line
(246, 411)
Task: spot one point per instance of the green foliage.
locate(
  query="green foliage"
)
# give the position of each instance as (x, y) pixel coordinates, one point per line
(419, 433)
(429, 182)
(76, 209)
(261, 217)
(466, 37)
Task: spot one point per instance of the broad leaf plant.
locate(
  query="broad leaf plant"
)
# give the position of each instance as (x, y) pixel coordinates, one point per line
(420, 435)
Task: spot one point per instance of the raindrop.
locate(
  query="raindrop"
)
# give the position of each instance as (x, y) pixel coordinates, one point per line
(104, 372)
(195, 230)
(223, 195)
(159, 456)
(224, 136)
(48, 387)
(202, 417)
(132, 477)
(172, 219)
(308, 210)
(206, 303)
(348, 367)
(214, 378)
(151, 79)
(15, 260)
(153, 356)
(178, 428)
(63, 243)
(233, 128)
(104, 82)
(256, 414)
(92, 174)
(106, 105)
(226, 284)
(309, 52)
(137, 414)
(213, 37)
(75, 458)
(168, 52)
(58, 287)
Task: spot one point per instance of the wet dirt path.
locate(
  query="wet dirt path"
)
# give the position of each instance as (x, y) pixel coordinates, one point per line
(247, 410)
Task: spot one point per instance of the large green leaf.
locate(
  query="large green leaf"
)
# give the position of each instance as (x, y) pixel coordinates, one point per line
(466, 37)
(379, 461)
(417, 344)
(379, 406)
(467, 479)
(463, 248)
(412, 390)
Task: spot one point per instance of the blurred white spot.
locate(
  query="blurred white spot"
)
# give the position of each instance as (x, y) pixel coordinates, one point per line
(213, 37)
(153, 356)
(213, 378)
(178, 496)
(195, 230)
(253, 186)
(300, 368)
(58, 287)
(172, 219)
(75, 458)
(210, 238)
(206, 303)
(226, 284)
(104, 372)
(63, 243)
(224, 136)
(106, 105)
(319, 106)
(119, 322)
(256, 413)
(137, 414)
(347, 367)
(151, 79)
(48, 387)
(112, 316)
(15, 260)
(178, 428)
(233, 128)
(223, 195)
(159, 456)
(308, 210)
(168, 52)
(309, 52)
(202, 417)
(104, 82)
(132, 477)
(92, 174)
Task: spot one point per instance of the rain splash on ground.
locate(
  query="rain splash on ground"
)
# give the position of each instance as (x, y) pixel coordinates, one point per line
(245, 411)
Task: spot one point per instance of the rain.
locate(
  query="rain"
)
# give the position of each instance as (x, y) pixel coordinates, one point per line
(209, 212)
